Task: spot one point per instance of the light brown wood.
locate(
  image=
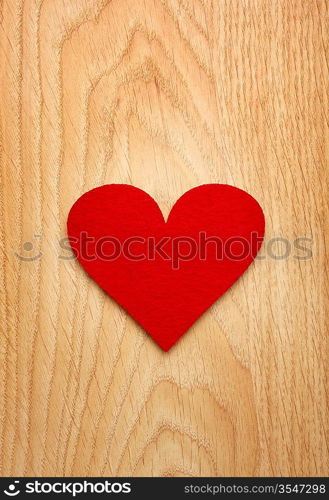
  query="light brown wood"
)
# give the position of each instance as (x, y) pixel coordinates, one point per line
(164, 95)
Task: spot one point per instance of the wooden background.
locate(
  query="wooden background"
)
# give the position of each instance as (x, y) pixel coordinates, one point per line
(164, 95)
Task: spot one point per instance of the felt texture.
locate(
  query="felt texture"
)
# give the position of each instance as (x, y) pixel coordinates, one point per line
(166, 289)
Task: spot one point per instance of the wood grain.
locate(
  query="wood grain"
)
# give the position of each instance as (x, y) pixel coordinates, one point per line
(164, 95)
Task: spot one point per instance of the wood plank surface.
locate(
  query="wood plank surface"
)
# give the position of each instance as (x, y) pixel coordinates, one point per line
(164, 95)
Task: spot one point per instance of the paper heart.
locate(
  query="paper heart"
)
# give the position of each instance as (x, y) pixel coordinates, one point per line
(165, 274)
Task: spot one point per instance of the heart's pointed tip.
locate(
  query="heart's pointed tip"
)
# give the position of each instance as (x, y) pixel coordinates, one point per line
(165, 346)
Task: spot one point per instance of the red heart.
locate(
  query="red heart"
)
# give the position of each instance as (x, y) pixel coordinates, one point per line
(166, 274)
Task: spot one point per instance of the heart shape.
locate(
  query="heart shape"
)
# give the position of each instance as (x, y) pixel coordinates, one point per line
(165, 274)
